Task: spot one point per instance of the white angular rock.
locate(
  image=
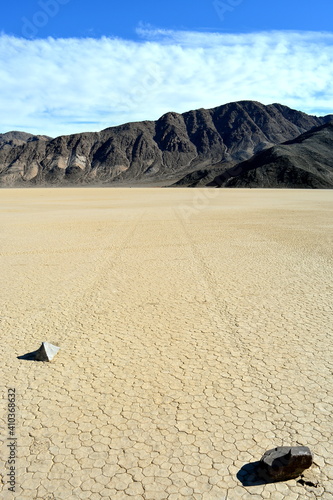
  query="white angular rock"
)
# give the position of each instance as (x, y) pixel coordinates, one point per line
(46, 352)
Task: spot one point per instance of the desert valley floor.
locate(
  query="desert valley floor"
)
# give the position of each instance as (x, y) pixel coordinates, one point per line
(195, 328)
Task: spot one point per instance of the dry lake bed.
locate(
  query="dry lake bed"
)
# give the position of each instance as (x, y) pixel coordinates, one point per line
(195, 333)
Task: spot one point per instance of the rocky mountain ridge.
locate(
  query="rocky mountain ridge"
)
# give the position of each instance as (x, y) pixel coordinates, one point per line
(164, 151)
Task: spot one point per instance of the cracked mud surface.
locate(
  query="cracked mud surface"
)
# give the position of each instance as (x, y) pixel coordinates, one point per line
(195, 334)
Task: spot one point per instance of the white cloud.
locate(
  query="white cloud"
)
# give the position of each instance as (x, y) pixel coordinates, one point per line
(64, 86)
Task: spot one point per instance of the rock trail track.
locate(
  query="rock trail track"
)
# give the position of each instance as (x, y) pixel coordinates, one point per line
(193, 338)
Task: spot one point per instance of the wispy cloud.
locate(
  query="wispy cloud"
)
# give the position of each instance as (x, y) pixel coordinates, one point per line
(64, 86)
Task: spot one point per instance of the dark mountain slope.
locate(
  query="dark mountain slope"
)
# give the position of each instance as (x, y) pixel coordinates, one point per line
(304, 162)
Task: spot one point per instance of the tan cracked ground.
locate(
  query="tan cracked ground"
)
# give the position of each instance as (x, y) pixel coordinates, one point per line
(195, 329)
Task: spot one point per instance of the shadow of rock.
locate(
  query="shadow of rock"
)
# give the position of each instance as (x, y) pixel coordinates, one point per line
(248, 475)
(30, 356)
(46, 352)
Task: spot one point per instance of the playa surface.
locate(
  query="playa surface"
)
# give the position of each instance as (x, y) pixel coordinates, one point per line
(195, 329)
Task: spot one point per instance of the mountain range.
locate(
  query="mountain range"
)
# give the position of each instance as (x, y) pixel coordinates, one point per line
(240, 144)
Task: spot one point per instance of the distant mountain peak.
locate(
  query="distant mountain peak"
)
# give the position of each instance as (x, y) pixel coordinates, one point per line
(17, 138)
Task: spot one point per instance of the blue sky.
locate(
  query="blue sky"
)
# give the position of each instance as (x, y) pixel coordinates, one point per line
(80, 18)
(71, 65)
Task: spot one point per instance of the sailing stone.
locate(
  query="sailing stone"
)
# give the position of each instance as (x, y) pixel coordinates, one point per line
(46, 352)
(285, 462)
